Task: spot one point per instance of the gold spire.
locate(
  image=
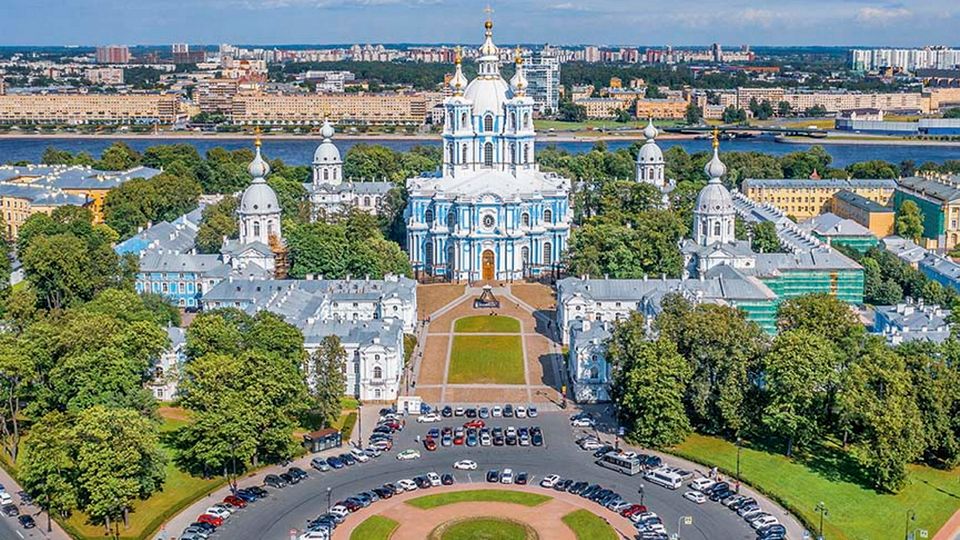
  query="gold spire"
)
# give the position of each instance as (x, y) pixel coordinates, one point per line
(716, 138)
(458, 56)
(518, 58)
(256, 137)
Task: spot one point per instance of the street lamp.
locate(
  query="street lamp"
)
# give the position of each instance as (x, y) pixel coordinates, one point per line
(739, 447)
(911, 516)
(822, 508)
(329, 494)
(641, 494)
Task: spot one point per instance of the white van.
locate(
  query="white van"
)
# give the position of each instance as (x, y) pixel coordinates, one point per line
(665, 478)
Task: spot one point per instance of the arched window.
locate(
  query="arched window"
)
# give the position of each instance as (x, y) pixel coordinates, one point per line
(547, 253)
(488, 122)
(525, 255)
(547, 216)
(428, 254)
(451, 153)
(463, 151)
(256, 229)
(451, 220)
(269, 229)
(703, 228)
(488, 154)
(366, 201)
(594, 372)
(377, 372)
(376, 201)
(326, 174)
(513, 154)
(526, 120)
(463, 120)
(428, 216)
(716, 229)
(525, 219)
(526, 153)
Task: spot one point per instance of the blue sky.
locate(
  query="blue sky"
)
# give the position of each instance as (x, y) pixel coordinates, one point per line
(631, 22)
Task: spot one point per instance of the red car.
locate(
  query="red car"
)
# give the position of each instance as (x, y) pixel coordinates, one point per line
(236, 501)
(430, 444)
(633, 509)
(210, 519)
(458, 439)
(475, 424)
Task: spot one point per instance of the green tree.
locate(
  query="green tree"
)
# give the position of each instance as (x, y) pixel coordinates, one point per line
(326, 371)
(137, 202)
(823, 315)
(873, 169)
(909, 221)
(571, 112)
(724, 349)
(798, 370)
(765, 238)
(784, 109)
(733, 115)
(935, 380)
(878, 411)
(16, 377)
(118, 459)
(694, 114)
(650, 379)
(55, 156)
(218, 221)
(118, 157)
(49, 468)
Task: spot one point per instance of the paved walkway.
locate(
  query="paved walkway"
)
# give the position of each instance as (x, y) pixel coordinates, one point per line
(950, 529)
(416, 524)
(40, 531)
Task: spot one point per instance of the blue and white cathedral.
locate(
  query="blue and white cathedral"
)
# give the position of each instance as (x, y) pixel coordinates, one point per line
(489, 213)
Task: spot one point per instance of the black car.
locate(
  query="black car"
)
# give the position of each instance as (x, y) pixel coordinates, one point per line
(653, 462)
(577, 488)
(563, 485)
(446, 479)
(587, 491)
(498, 440)
(289, 479)
(383, 429)
(391, 488)
(274, 481)
(27, 522)
(511, 440)
(25, 498)
(471, 413)
(382, 492)
(718, 495)
(447, 412)
(536, 438)
(258, 491)
(10, 510)
(246, 495)
(205, 527)
(297, 473)
(742, 502)
(602, 451)
(422, 482)
(520, 479)
(348, 459)
(508, 411)
(493, 475)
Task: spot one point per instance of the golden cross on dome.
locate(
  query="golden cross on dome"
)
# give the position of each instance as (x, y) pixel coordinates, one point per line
(716, 137)
(488, 10)
(458, 57)
(256, 137)
(518, 55)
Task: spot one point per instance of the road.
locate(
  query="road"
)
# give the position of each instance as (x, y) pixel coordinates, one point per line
(284, 510)
(11, 529)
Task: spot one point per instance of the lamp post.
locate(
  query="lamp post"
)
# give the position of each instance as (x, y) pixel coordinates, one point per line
(911, 516)
(329, 495)
(822, 508)
(641, 494)
(739, 447)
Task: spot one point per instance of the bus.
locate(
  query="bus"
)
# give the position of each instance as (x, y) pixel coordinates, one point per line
(665, 478)
(621, 463)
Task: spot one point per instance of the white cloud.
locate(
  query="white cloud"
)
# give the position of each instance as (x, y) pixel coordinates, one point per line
(762, 17)
(881, 15)
(570, 6)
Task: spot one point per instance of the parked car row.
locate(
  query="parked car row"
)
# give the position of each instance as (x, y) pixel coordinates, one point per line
(9, 509)
(767, 526)
(483, 436)
(497, 411)
(649, 525)
(322, 527)
(213, 517)
(346, 459)
(583, 419)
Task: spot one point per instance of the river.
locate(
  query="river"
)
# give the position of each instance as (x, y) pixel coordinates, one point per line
(300, 151)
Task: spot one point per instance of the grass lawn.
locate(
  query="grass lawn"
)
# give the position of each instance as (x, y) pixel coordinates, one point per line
(486, 360)
(179, 490)
(374, 528)
(589, 526)
(483, 324)
(831, 476)
(479, 495)
(484, 529)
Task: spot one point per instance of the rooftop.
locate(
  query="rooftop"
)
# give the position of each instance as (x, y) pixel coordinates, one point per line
(861, 202)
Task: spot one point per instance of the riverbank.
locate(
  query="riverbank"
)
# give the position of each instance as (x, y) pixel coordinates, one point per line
(865, 141)
(353, 137)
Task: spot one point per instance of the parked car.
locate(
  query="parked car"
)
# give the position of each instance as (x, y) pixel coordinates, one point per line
(695, 496)
(434, 479)
(521, 479)
(430, 444)
(320, 464)
(446, 479)
(475, 424)
(410, 453)
(235, 501)
(508, 411)
(10, 510)
(583, 422)
(483, 412)
(210, 519)
(532, 412)
(447, 412)
(549, 481)
(493, 475)
(465, 465)
(496, 411)
(429, 418)
(274, 481)
(507, 476)
(701, 484)
(297, 473)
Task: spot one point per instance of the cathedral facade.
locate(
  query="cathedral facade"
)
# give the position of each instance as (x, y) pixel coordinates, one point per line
(489, 213)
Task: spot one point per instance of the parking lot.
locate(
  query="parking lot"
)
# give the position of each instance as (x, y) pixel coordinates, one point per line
(292, 507)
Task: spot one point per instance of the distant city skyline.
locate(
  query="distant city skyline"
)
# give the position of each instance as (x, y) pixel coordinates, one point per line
(562, 22)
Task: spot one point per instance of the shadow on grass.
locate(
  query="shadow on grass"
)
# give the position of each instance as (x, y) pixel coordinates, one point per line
(825, 458)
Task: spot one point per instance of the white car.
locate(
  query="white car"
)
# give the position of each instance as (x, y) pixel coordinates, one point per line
(507, 476)
(410, 453)
(434, 479)
(5, 498)
(359, 455)
(459, 411)
(532, 412)
(465, 465)
(749, 517)
(496, 411)
(314, 535)
(407, 485)
(583, 422)
(391, 417)
(695, 496)
(343, 511)
(549, 481)
(591, 445)
(428, 418)
(520, 411)
(221, 513)
(765, 521)
(701, 484)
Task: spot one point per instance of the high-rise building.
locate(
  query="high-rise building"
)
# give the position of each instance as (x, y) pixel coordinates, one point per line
(180, 48)
(543, 73)
(717, 52)
(591, 53)
(113, 54)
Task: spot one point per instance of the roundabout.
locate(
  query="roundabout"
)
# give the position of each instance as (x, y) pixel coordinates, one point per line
(486, 512)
